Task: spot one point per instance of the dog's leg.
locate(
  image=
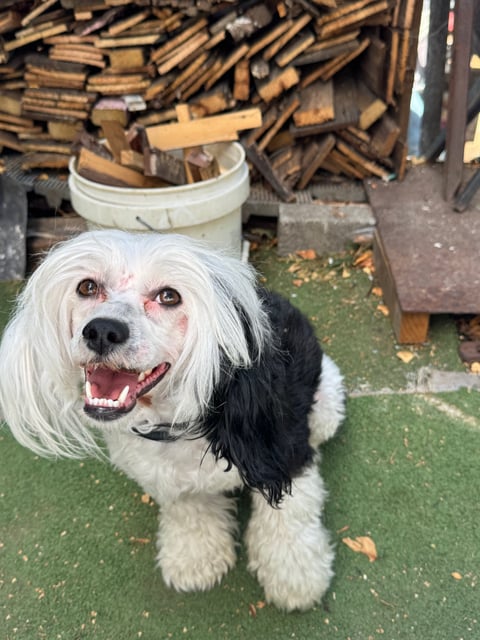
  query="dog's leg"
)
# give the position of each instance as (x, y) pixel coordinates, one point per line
(329, 404)
(288, 547)
(196, 541)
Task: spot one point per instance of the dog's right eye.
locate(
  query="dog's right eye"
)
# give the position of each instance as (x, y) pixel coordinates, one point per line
(87, 288)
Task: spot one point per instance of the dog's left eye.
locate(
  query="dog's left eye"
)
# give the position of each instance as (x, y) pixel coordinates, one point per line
(87, 288)
(168, 297)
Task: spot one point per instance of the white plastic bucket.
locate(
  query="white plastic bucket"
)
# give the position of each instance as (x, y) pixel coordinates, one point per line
(210, 210)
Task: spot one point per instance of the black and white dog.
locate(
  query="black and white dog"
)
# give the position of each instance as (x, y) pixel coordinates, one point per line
(199, 382)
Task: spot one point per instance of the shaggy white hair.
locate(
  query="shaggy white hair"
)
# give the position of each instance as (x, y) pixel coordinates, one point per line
(224, 386)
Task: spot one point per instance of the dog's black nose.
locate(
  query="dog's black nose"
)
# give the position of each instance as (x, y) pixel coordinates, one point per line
(103, 334)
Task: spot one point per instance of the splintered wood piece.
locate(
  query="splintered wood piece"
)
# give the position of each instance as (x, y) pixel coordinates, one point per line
(385, 134)
(293, 50)
(123, 25)
(315, 155)
(183, 115)
(38, 10)
(115, 136)
(345, 107)
(269, 37)
(346, 166)
(232, 59)
(342, 61)
(39, 34)
(264, 167)
(287, 111)
(10, 141)
(373, 65)
(371, 107)
(317, 104)
(241, 82)
(392, 66)
(217, 101)
(330, 68)
(187, 75)
(202, 164)
(352, 18)
(345, 9)
(222, 128)
(126, 58)
(361, 141)
(98, 169)
(369, 166)
(183, 52)
(173, 43)
(277, 83)
(331, 4)
(163, 165)
(39, 160)
(126, 41)
(320, 55)
(297, 26)
(269, 118)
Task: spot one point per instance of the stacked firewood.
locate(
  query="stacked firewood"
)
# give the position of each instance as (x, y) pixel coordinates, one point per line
(331, 78)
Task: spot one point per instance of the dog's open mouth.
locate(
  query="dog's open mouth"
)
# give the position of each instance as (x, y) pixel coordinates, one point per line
(109, 393)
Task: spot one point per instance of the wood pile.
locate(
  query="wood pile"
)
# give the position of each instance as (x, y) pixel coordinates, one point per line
(331, 78)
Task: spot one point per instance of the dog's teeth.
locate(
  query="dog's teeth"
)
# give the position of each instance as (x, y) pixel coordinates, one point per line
(144, 374)
(123, 396)
(88, 390)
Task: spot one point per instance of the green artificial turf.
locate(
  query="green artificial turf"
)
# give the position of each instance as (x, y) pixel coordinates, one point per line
(77, 538)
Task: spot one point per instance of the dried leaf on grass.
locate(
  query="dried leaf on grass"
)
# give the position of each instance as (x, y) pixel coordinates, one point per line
(405, 356)
(362, 544)
(307, 254)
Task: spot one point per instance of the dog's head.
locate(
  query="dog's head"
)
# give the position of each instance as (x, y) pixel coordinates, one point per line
(118, 330)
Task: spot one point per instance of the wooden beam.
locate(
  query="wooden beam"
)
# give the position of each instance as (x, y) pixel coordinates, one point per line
(458, 97)
(222, 128)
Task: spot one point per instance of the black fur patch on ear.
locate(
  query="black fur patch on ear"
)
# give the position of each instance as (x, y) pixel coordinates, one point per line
(258, 419)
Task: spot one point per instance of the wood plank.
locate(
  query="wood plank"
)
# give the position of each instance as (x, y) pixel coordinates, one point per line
(241, 83)
(285, 114)
(317, 104)
(230, 62)
(221, 128)
(296, 27)
(114, 133)
(346, 111)
(98, 169)
(315, 155)
(458, 97)
(409, 328)
(277, 83)
(264, 167)
(371, 107)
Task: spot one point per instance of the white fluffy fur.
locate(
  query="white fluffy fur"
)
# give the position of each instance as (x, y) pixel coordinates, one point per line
(41, 390)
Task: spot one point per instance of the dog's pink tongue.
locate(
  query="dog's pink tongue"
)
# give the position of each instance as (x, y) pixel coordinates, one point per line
(109, 384)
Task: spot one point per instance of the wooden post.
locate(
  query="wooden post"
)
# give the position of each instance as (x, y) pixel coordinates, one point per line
(458, 96)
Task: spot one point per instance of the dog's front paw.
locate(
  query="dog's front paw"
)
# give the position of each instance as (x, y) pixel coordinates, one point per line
(196, 543)
(296, 582)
